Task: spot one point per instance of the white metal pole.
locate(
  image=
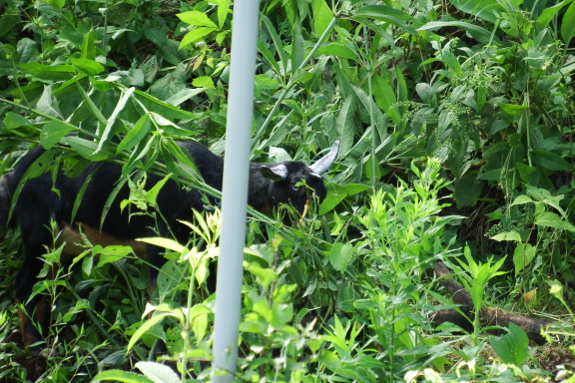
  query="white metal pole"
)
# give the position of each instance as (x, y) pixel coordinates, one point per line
(235, 188)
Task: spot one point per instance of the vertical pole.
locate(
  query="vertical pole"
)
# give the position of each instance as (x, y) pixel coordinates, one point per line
(235, 188)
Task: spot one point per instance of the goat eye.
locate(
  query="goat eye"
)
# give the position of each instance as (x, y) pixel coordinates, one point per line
(295, 187)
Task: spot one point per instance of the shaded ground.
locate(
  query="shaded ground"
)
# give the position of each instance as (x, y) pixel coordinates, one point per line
(550, 356)
(34, 366)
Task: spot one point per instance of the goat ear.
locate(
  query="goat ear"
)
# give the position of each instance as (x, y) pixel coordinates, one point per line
(276, 172)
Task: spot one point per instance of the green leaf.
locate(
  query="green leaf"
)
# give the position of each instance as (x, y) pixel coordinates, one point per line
(330, 202)
(91, 105)
(514, 110)
(550, 161)
(282, 313)
(525, 171)
(198, 310)
(15, 121)
(171, 84)
(556, 289)
(136, 134)
(337, 193)
(195, 35)
(550, 219)
(49, 73)
(483, 9)
(88, 50)
(451, 62)
(111, 198)
(385, 98)
(265, 276)
(152, 194)
(513, 347)
(269, 57)
(386, 14)
(545, 196)
(106, 134)
(121, 376)
(68, 32)
(491, 175)
(297, 56)
(58, 4)
(166, 243)
(322, 16)
(7, 22)
(48, 104)
(204, 82)
(200, 327)
(340, 256)
(345, 124)
(183, 95)
(170, 279)
(480, 34)
(85, 148)
(264, 82)
(278, 44)
(329, 359)
(522, 256)
(372, 171)
(507, 236)
(337, 50)
(468, 189)
(145, 327)
(521, 200)
(52, 132)
(548, 13)
(28, 51)
(89, 67)
(111, 253)
(223, 12)
(42, 163)
(197, 18)
(158, 372)
(371, 107)
(568, 24)
(166, 110)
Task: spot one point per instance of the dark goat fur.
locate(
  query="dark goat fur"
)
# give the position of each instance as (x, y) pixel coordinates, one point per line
(38, 204)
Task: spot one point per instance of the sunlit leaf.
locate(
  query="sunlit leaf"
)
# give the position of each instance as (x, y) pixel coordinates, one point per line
(196, 18)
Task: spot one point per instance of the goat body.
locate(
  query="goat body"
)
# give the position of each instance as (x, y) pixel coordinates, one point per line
(38, 204)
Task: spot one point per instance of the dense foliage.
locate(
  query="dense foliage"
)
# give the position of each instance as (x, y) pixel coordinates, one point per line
(456, 146)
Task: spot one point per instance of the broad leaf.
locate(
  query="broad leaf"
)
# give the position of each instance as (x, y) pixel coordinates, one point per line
(322, 16)
(89, 67)
(53, 131)
(568, 24)
(85, 148)
(136, 134)
(145, 327)
(480, 34)
(483, 9)
(49, 73)
(197, 18)
(550, 219)
(548, 13)
(522, 256)
(158, 373)
(512, 348)
(340, 256)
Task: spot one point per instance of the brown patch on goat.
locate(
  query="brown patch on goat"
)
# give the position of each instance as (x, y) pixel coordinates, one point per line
(23, 324)
(74, 243)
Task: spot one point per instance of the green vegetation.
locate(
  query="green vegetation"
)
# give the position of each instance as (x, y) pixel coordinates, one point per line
(456, 146)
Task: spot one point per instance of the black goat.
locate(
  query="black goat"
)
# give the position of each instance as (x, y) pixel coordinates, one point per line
(38, 204)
